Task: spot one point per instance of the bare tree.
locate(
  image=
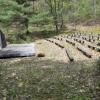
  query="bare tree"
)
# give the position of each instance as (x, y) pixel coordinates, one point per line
(56, 10)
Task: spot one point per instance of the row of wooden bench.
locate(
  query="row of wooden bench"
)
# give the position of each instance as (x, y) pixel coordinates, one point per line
(76, 39)
(86, 51)
(89, 45)
(70, 56)
(85, 34)
(87, 38)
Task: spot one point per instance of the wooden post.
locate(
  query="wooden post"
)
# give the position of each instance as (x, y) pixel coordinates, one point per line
(3, 43)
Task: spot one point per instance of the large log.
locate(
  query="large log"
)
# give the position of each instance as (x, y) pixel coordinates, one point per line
(18, 50)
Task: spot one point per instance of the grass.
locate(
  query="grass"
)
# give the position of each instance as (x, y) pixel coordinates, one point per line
(86, 29)
(37, 79)
(90, 29)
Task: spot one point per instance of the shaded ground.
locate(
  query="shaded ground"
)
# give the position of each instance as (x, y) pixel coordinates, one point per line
(38, 79)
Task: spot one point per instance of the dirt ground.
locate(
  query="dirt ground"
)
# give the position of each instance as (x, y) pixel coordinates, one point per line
(51, 51)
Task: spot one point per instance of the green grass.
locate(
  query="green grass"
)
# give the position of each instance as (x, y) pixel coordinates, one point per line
(37, 79)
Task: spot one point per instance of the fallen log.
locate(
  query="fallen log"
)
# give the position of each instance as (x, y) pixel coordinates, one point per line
(18, 50)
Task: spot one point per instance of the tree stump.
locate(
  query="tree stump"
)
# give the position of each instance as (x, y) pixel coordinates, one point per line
(3, 43)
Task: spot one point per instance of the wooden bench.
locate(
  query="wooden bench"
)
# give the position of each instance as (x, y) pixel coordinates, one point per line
(85, 51)
(97, 49)
(69, 54)
(61, 46)
(91, 46)
(56, 43)
(94, 47)
(79, 40)
(98, 43)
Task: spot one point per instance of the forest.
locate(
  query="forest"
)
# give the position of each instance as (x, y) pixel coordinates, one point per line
(19, 16)
(49, 49)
